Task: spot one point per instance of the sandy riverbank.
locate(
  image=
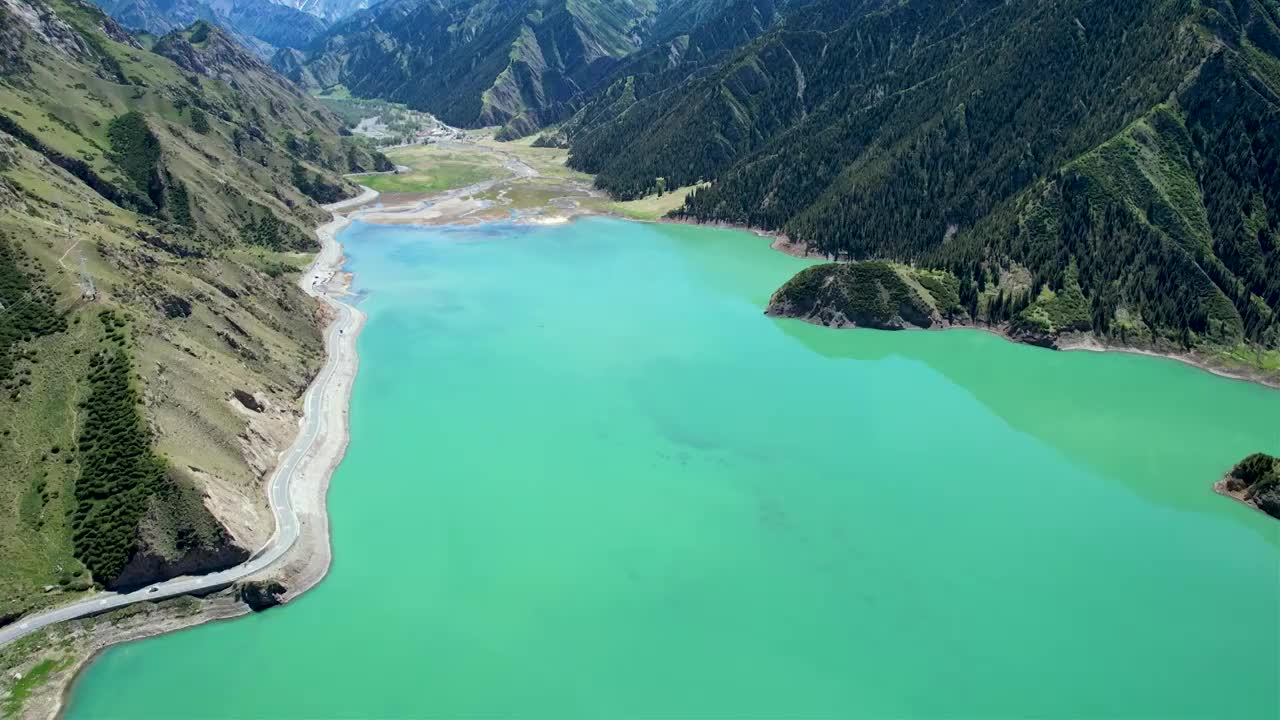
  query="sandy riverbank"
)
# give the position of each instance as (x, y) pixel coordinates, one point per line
(72, 645)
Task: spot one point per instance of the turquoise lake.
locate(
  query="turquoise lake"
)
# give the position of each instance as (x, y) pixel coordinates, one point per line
(588, 478)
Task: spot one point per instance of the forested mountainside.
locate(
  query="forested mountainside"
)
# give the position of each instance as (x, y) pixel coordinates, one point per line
(516, 63)
(155, 208)
(689, 39)
(260, 25)
(1129, 149)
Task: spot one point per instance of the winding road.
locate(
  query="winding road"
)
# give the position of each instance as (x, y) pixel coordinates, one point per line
(314, 421)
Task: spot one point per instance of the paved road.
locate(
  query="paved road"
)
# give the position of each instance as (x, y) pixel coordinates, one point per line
(287, 526)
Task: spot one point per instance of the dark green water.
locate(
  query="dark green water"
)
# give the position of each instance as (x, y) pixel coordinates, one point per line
(588, 479)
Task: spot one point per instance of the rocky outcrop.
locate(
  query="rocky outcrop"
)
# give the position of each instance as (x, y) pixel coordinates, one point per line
(260, 595)
(177, 536)
(8, 149)
(43, 23)
(174, 306)
(11, 61)
(249, 401)
(1267, 499)
(1254, 481)
(177, 249)
(206, 50)
(857, 294)
(150, 565)
(1032, 336)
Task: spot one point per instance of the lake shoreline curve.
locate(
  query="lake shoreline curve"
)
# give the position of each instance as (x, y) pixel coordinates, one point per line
(1067, 342)
(307, 560)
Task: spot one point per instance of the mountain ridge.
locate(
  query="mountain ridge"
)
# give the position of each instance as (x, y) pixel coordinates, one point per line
(517, 64)
(329, 10)
(259, 25)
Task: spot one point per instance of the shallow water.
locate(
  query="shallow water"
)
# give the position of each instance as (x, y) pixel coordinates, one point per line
(589, 479)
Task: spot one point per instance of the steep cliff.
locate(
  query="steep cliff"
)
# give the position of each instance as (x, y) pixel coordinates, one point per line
(1255, 481)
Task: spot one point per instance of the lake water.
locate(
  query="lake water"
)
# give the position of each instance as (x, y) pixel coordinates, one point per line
(589, 479)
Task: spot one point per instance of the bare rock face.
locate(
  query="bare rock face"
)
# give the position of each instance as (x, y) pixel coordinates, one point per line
(177, 536)
(9, 196)
(1267, 499)
(1254, 481)
(115, 31)
(250, 402)
(44, 23)
(260, 595)
(209, 52)
(8, 151)
(859, 294)
(149, 565)
(1031, 336)
(11, 61)
(175, 306)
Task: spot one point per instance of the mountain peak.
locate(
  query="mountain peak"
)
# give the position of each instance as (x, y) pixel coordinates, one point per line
(328, 10)
(206, 49)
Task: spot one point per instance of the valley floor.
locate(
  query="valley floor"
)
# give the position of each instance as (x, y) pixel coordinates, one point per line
(478, 179)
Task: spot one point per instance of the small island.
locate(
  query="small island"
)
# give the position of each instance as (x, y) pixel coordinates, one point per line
(1254, 481)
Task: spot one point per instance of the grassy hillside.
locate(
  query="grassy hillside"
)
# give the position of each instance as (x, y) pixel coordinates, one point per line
(153, 206)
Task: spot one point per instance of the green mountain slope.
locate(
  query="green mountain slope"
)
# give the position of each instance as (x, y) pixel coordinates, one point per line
(688, 39)
(996, 139)
(153, 344)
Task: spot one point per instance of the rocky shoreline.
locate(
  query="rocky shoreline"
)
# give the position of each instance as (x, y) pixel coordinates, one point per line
(1065, 342)
(1085, 342)
(1254, 481)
